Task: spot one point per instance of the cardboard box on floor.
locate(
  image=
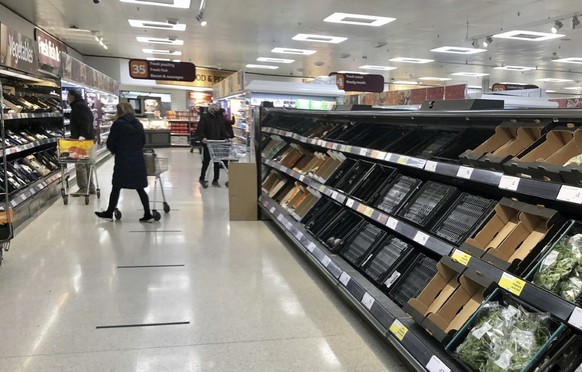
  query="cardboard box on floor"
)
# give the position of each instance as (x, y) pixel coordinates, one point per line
(242, 192)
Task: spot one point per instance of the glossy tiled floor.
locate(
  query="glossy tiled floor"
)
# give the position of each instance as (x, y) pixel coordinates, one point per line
(252, 302)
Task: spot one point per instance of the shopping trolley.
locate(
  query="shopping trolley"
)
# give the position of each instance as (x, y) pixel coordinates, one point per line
(155, 166)
(71, 151)
(223, 151)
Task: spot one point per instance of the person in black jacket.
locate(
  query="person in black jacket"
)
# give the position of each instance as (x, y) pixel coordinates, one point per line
(212, 126)
(81, 128)
(126, 141)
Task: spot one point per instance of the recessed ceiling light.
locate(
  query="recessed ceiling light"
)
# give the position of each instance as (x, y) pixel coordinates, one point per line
(266, 67)
(574, 88)
(430, 78)
(514, 68)
(275, 60)
(472, 74)
(553, 80)
(402, 82)
(358, 19)
(527, 35)
(305, 52)
(379, 68)
(458, 50)
(185, 4)
(411, 60)
(320, 38)
(569, 60)
(157, 25)
(162, 51)
(156, 40)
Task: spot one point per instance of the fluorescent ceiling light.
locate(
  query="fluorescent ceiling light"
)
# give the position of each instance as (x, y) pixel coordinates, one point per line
(275, 60)
(379, 68)
(305, 52)
(158, 59)
(553, 80)
(527, 35)
(320, 38)
(411, 60)
(185, 4)
(353, 72)
(401, 82)
(266, 67)
(157, 40)
(550, 91)
(569, 60)
(458, 50)
(472, 74)
(176, 60)
(358, 19)
(162, 51)
(515, 68)
(157, 25)
(574, 88)
(430, 78)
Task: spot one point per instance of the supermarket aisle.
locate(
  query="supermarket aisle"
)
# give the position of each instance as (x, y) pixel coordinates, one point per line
(231, 296)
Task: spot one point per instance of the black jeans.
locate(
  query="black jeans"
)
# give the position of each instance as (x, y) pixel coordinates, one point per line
(206, 164)
(114, 198)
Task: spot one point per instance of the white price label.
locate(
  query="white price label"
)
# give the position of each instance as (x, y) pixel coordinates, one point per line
(334, 195)
(350, 203)
(326, 261)
(272, 210)
(421, 238)
(570, 194)
(388, 156)
(436, 365)
(311, 247)
(280, 218)
(368, 301)
(465, 172)
(301, 178)
(363, 152)
(430, 166)
(345, 279)
(298, 235)
(576, 318)
(392, 223)
(509, 183)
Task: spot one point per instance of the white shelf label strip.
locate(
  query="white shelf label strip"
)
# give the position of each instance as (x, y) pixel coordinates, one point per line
(345, 279)
(576, 318)
(326, 261)
(430, 166)
(421, 238)
(465, 172)
(509, 183)
(570, 194)
(436, 365)
(368, 301)
(392, 223)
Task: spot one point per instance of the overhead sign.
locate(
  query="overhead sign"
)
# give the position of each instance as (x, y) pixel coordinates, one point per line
(49, 51)
(17, 51)
(205, 78)
(162, 70)
(77, 72)
(512, 86)
(359, 82)
(235, 83)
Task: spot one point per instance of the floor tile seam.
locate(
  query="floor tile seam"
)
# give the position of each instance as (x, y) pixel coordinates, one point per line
(172, 346)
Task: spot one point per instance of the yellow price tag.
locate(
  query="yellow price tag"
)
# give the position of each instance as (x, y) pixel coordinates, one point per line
(368, 211)
(398, 329)
(348, 149)
(322, 188)
(461, 257)
(511, 283)
(403, 160)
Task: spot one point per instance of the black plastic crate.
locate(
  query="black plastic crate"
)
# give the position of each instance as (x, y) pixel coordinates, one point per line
(373, 183)
(410, 140)
(356, 175)
(386, 255)
(427, 203)
(413, 281)
(323, 217)
(436, 142)
(340, 172)
(338, 230)
(342, 133)
(396, 193)
(387, 137)
(470, 138)
(370, 134)
(360, 242)
(318, 130)
(467, 214)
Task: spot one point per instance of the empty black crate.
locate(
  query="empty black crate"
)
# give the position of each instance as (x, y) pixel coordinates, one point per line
(340, 172)
(413, 281)
(354, 177)
(426, 204)
(323, 217)
(470, 138)
(360, 242)
(342, 133)
(396, 193)
(373, 183)
(338, 229)
(387, 137)
(385, 257)
(467, 214)
(409, 141)
(436, 142)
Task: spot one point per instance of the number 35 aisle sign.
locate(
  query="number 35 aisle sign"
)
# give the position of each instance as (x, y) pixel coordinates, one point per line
(162, 70)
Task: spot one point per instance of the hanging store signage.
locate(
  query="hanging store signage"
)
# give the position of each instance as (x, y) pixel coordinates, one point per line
(77, 72)
(359, 82)
(17, 51)
(512, 86)
(234, 83)
(205, 78)
(49, 51)
(162, 70)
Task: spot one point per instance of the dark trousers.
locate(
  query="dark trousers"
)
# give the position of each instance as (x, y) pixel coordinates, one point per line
(206, 164)
(114, 198)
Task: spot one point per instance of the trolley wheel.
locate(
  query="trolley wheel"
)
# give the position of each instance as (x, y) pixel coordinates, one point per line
(66, 199)
(117, 214)
(87, 200)
(63, 193)
(166, 207)
(98, 191)
(157, 215)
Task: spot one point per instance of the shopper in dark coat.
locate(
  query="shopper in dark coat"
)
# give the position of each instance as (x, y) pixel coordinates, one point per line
(81, 126)
(126, 141)
(212, 126)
